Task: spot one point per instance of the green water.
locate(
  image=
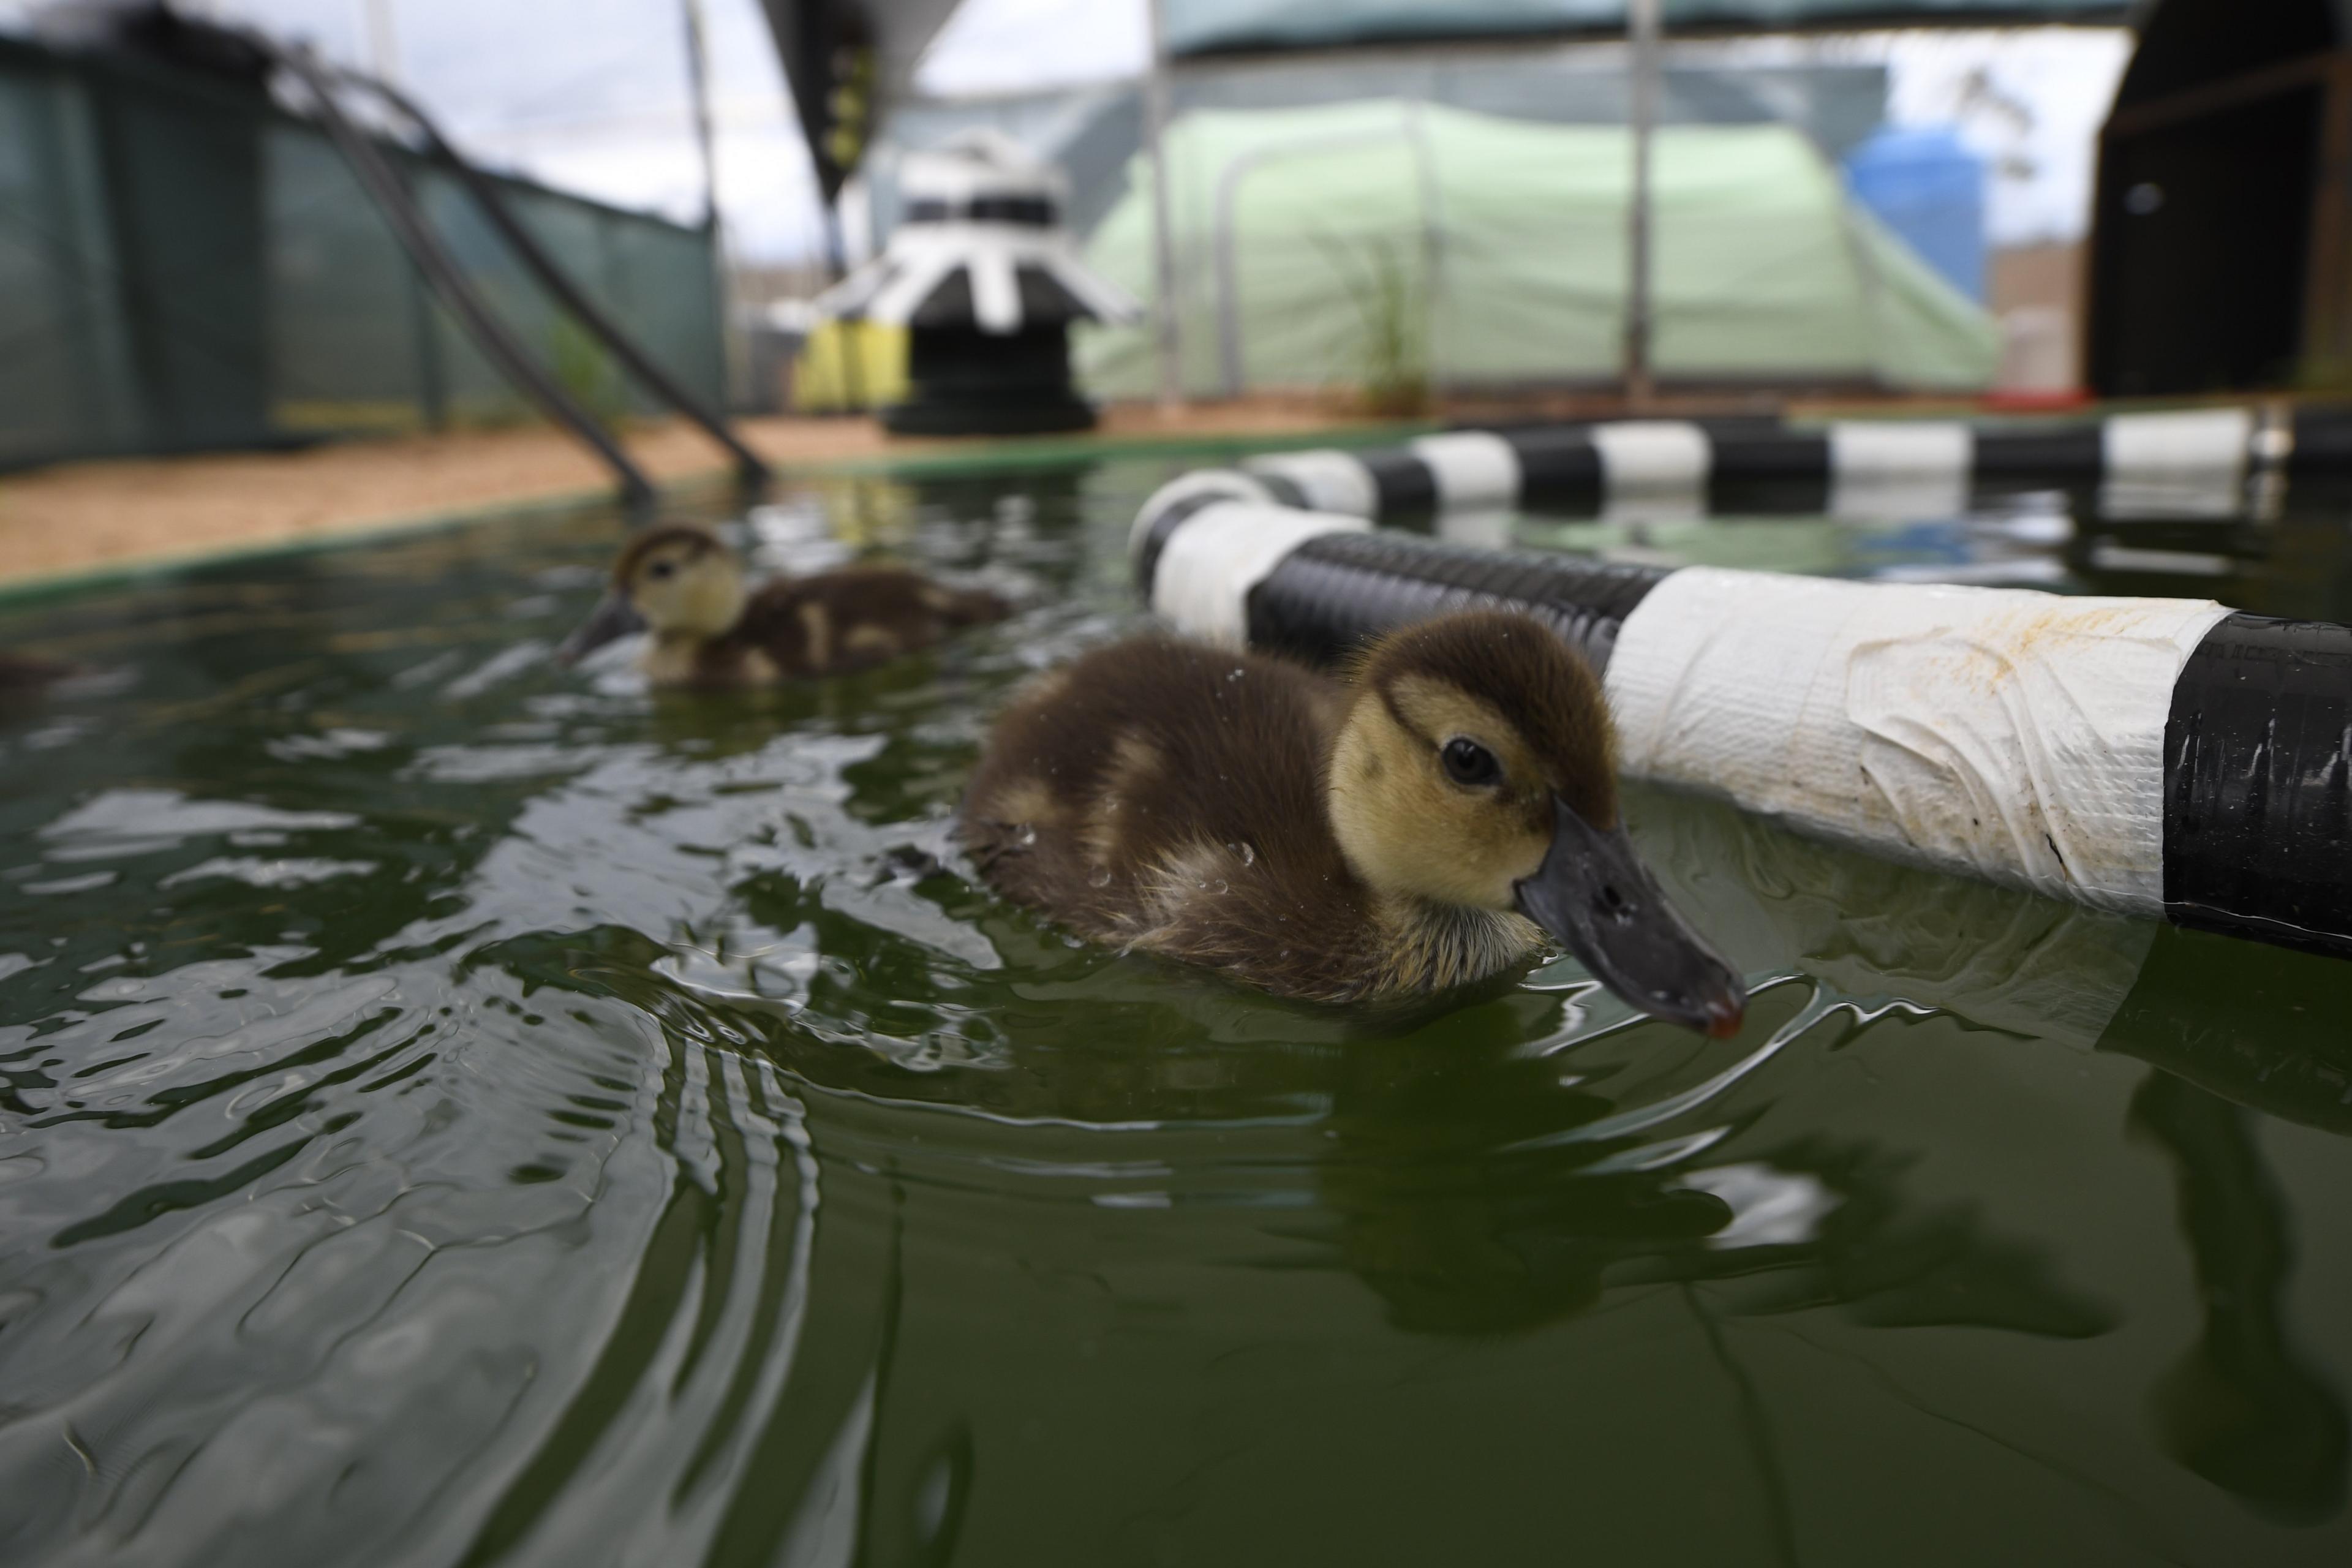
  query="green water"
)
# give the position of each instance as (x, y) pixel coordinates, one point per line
(458, 1110)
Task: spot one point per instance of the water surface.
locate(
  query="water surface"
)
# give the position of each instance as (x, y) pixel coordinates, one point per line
(458, 1110)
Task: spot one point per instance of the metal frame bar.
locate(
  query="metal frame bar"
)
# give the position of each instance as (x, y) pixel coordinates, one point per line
(497, 341)
(750, 467)
(1229, 338)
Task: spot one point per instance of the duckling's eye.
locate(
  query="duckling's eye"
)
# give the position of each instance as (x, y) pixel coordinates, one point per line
(661, 569)
(1468, 763)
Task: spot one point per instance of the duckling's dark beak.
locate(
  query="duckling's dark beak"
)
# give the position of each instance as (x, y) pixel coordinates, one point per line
(614, 618)
(1594, 895)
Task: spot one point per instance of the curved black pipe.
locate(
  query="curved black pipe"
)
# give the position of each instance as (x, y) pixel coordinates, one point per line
(491, 335)
(750, 467)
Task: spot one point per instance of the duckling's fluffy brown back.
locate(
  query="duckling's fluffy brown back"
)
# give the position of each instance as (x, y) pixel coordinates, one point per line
(1171, 797)
(25, 676)
(837, 623)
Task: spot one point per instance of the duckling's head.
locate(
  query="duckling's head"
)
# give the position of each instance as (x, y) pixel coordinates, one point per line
(1476, 769)
(677, 580)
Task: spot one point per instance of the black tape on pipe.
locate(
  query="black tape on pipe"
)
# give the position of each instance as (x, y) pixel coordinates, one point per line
(1771, 455)
(1402, 482)
(1770, 471)
(1556, 465)
(2075, 453)
(2323, 442)
(1333, 592)
(2258, 784)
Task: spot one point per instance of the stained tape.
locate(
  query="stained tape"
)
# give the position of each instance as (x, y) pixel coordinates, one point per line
(2014, 735)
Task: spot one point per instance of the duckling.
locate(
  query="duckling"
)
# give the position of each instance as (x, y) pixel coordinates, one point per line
(25, 678)
(1424, 824)
(713, 628)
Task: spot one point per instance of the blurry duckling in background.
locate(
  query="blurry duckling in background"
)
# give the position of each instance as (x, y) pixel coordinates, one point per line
(26, 678)
(1423, 825)
(713, 628)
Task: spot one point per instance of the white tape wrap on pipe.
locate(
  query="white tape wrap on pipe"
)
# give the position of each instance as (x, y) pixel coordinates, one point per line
(1652, 455)
(1330, 480)
(1901, 450)
(1470, 468)
(1900, 472)
(2015, 735)
(1231, 483)
(2210, 441)
(1208, 566)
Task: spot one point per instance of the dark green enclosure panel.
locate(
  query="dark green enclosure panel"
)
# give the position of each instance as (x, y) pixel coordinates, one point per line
(184, 182)
(183, 265)
(65, 376)
(348, 348)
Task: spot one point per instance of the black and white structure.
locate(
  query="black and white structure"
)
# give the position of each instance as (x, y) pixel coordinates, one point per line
(1880, 468)
(986, 281)
(2148, 756)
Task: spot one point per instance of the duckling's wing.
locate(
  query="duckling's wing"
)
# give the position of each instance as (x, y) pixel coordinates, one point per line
(1169, 795)
(852, 619)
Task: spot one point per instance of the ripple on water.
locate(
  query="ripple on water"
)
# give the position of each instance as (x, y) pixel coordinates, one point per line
(456, 1110)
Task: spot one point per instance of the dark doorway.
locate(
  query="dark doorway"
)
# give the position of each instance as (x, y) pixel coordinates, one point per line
(2205, 231)
(2219, 236)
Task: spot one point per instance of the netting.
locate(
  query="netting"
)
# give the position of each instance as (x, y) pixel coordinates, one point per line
(184, 266)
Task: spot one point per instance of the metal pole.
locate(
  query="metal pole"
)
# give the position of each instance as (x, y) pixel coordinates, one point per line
(552, 278)
(736, 365)
(1641, 40)
(1163, 235)
(1223, 240)
(498, 343)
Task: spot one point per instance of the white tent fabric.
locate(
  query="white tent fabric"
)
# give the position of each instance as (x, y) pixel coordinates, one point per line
(1508, 239)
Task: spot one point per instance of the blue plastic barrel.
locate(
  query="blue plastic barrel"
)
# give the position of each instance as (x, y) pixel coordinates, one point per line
(1928, 188)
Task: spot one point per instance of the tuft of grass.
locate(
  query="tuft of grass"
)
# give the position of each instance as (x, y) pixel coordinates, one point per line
(585, 370)
(1392, 340)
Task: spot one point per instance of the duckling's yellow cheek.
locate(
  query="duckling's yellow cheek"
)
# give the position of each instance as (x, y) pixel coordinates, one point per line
(1479, 849)
(1521, 852)
(656, 601)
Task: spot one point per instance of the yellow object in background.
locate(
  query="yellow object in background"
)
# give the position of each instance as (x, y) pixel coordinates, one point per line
(846, 366)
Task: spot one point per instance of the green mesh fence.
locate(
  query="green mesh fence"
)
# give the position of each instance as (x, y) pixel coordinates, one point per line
(184, 266)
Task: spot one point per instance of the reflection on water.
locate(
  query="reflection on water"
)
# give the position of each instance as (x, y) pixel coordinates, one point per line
(2242, 1408)
(457, 1111)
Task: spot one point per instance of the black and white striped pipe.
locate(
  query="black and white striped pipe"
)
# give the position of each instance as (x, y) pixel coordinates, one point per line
(2148, 756)
(1862, 465)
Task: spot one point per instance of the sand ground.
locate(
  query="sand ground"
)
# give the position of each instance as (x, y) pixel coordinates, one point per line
(76, 518)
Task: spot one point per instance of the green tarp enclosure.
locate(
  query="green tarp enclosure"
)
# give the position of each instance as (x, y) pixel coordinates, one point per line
(1315, 246)
(1214, 26)
(185, 266)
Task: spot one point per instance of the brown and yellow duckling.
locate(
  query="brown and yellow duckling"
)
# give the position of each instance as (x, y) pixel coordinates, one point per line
(713, 628)
(25, 679)
(1420, 826)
